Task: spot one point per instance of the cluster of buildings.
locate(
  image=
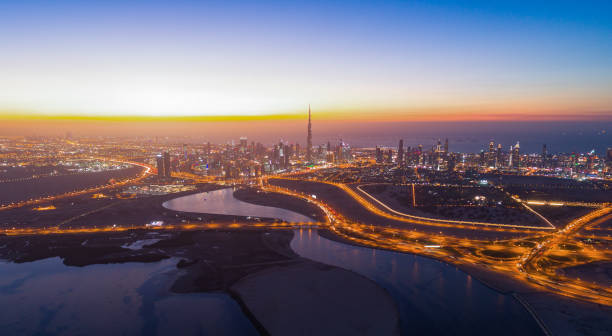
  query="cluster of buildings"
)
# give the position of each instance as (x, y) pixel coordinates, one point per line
(164, 166)
(438, 157)
(154, 189)
(244, 159)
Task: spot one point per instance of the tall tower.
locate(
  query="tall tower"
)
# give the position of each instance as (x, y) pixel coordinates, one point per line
(309, 138)
(160, 166)
(400, 153)
(516, 161)
(167, 165)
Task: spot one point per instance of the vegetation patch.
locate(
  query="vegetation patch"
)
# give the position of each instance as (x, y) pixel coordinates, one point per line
(500, 254)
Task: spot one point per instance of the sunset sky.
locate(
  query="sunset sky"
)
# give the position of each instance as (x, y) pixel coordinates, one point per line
(404, 60)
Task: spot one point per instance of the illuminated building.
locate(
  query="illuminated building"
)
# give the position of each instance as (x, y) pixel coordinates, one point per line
(446, 146)
(167, 165)
(379, 155)
(516, 156)
(160, 166)
(243, 144)
(400, 153)
(491, 155)
(309, 138)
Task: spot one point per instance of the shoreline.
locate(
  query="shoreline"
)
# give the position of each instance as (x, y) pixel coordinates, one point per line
(278, 200)
(219, 261)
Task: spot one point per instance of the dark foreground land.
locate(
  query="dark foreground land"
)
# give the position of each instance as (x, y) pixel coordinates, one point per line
(456, 203)
(279, 291)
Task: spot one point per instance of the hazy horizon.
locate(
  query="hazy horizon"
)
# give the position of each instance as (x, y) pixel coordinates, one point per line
(559, 136)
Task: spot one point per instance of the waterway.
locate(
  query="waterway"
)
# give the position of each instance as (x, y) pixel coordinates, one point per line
(46, 297)
(222, 202)
(433, 298)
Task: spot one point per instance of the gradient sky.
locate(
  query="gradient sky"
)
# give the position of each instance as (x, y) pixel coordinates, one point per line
(422, 60)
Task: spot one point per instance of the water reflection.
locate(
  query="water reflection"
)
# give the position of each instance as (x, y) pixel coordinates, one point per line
(432, 297)
(222, 202)
(47, 297)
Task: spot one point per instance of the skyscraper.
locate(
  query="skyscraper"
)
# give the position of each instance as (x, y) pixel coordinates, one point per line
(446, 146)
(400, 153)
(243, 144)
(167, 165)
(160, 166)
(516, 161)
(379, 155)
(491, 154)
(309, 138)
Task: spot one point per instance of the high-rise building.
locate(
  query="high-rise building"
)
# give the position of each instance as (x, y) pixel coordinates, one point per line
(379, 155)
(243, 144)
(609, 154)
(309, 138)
(516, 163)
(160, 166)
(287, 154)
(498, 156)
(167, 165)
(446, 146)
(491, 154)
(420, 157)
(451, 163)
(400, 153)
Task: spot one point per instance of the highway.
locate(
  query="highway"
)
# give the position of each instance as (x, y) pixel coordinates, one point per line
(469, 252)
(145, 172)
(513, 258)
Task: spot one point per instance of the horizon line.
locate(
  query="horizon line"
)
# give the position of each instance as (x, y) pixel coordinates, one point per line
(327, 116)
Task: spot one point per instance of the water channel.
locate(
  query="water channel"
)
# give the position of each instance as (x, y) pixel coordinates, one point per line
(222, 202)
(433, 298)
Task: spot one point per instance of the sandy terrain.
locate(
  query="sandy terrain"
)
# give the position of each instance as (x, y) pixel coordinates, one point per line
(314, 299)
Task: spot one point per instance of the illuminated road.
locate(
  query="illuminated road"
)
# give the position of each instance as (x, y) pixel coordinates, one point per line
(434, 220)
(390, 213)
(469, 252)
(145, 172)
(515, 259)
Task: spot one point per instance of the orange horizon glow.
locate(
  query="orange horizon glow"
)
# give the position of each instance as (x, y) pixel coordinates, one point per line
(387, 115)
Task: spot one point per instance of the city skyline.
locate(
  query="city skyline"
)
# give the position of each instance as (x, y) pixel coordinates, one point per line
(422, 167)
